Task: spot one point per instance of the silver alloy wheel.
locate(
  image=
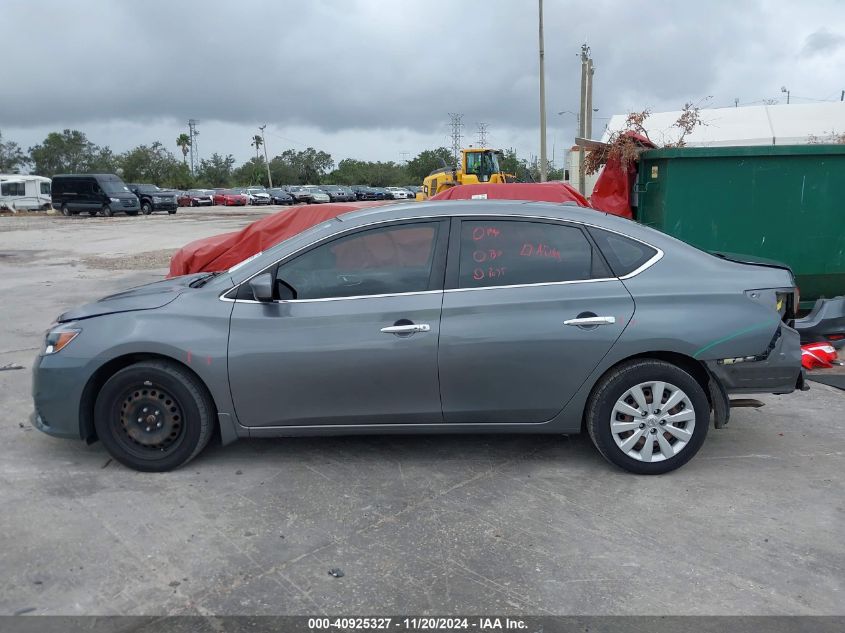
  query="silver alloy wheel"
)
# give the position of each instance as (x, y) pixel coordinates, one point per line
(652, 421)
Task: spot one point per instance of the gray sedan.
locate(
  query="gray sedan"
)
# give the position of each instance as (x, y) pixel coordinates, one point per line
(443, 317)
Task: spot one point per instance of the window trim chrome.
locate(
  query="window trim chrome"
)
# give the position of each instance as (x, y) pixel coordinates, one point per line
(648, 264)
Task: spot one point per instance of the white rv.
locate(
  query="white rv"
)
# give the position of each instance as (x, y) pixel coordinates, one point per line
(23, 192)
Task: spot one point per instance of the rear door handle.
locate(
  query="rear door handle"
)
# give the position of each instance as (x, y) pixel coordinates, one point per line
(407, 329)
(593, 320)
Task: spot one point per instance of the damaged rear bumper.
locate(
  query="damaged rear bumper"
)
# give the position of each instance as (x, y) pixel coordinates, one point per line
(777, 370)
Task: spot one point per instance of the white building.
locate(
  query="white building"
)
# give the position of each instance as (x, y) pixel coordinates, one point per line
(794, 124)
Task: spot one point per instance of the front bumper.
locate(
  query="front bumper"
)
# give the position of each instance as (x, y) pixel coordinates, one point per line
(57, 386)
(776, 370)
(164, 206)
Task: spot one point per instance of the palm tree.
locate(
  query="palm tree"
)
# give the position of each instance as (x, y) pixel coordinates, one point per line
(184, 141)
(257, 141)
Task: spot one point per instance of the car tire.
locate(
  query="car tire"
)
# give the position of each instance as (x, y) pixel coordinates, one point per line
(146, 208)
(65, 211)
(171, 211)
(107, 211)
(661, 440)
(154, 416)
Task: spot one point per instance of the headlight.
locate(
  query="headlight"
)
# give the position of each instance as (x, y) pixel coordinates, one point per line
(57, 340)
(115, 199)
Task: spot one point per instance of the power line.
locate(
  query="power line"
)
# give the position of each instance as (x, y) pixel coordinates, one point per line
(482, 134)
(456, 125)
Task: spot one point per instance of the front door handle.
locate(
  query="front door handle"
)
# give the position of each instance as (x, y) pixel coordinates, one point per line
(592, 320)
(407, 329)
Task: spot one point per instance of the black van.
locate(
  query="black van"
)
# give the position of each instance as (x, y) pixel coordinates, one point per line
(93, 194)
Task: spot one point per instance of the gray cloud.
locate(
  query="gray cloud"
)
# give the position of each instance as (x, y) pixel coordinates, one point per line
(385, 74)
(821, 42)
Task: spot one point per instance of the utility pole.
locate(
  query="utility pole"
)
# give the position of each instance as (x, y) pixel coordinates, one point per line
(784, 89)
(585, 118)
(482, 135)
(456, 123)
(192, 134)
(266, 160)
(736, 102)
(842, 96)
(543, 165)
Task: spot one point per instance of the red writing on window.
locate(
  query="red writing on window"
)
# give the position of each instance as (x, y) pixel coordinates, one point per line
(492, 272)
(482, 256)
(480, 232)
(539, 250)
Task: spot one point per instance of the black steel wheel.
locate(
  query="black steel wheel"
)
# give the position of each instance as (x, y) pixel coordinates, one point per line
(146, 208)
(154, 416)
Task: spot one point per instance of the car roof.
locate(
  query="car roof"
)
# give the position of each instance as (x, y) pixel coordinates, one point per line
(518, 208)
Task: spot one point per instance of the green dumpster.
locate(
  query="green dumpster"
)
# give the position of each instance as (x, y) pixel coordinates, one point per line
(785, 203)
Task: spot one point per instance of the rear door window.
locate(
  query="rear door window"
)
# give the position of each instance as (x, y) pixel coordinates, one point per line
(624, 254)
(514, 252)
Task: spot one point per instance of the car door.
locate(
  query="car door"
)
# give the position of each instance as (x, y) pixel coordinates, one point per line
(351, 338)
(529, 310)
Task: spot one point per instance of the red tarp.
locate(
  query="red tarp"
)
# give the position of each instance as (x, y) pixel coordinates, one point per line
(612, 193)
(219, 252)
(539, 191)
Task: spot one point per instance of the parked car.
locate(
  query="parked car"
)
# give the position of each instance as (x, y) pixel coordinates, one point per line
(280, 196)
(299, 194)
(548, 318)
(195, 198)
(256, 195)
(317, 194)
(398, 193)
(364, 193)
(350, 194)
(230, 198)
(380, 193)
(337, 193)
(152, 198)
(92, 193)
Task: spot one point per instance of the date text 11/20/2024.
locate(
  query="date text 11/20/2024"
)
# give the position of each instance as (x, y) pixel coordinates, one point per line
(418, 624)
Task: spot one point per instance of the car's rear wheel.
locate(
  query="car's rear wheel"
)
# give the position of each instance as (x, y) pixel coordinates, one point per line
(648, 416)
(153, 416)
(65, 211)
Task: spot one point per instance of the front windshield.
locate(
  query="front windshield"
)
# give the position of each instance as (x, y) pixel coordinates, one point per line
(113, 186)
(303, 234)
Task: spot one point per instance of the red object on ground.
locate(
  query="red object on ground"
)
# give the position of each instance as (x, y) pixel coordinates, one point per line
(612, 193)
(817, 355)
(220, 252)
(539, 191)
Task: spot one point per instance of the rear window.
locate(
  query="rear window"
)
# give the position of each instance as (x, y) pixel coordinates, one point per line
(623, 254)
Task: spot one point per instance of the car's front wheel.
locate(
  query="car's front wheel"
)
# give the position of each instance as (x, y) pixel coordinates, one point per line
(153, 416)
(648, 416)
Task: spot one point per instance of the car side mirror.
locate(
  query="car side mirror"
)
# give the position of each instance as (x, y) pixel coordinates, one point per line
(262, 287)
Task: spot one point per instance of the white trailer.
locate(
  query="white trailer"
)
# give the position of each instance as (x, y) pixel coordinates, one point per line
(24, 192)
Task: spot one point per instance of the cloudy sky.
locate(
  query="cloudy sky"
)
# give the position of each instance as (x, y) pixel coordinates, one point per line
(373, 79)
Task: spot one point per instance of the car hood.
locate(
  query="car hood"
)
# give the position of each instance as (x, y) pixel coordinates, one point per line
(147, 297)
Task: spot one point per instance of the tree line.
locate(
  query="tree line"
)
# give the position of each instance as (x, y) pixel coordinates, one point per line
(70, 151)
